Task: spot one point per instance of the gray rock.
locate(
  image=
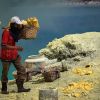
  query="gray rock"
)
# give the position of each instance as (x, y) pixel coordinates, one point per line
(71, 46)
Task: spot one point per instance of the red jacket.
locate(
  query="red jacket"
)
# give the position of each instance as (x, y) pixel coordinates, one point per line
(7, 39)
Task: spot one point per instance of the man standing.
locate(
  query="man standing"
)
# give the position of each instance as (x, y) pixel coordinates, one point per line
(9, 54)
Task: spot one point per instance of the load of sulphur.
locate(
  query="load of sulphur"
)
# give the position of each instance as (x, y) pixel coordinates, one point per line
(77, 89)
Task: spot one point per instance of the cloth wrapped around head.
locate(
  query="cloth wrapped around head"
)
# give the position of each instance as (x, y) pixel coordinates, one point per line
(15, 27)
(16, 20)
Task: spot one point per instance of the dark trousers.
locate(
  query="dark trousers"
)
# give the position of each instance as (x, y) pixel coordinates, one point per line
(21, 73)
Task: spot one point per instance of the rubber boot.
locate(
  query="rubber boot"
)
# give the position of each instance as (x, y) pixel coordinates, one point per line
(20, 86)
(4, 88)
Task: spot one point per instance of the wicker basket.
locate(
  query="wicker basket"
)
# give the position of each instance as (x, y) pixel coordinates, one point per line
(50, 76)
(29, 32)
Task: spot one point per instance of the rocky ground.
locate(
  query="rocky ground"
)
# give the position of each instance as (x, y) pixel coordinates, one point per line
(80, 82)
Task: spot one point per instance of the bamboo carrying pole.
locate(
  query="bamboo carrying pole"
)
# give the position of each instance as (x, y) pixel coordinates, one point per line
(48, 94)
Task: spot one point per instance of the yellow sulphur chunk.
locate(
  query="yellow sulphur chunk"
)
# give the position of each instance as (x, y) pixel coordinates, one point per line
(24, 22)
(35, 22)
(76, 95)
(89, 72)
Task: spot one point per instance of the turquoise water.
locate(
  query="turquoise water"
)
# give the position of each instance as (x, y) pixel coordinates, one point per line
(55, 22)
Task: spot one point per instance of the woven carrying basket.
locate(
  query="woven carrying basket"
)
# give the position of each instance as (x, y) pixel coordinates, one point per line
(50, 76)
(29, 32)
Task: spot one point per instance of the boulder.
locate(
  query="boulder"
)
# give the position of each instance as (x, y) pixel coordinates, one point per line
(70, 46)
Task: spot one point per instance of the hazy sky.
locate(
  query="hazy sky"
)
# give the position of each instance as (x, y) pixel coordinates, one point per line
(26, 8)
(30, 2)
(12, 6)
